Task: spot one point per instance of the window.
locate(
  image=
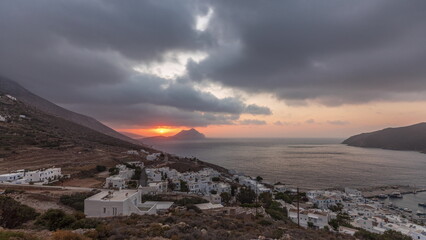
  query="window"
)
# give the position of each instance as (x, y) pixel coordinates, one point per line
(114, 211)
(104, 210)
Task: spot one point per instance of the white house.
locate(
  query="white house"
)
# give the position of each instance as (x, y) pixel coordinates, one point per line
(280, 188)
(10, 177)
(318, 218)
(153, 156)
(120, 203)
(115, 182)
(46, 175)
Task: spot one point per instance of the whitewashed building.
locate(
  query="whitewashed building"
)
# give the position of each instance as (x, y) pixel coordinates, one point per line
(45, 175)
(121, 203)
(318, 218)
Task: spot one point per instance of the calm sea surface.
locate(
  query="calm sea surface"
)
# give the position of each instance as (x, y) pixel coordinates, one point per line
(308, 163)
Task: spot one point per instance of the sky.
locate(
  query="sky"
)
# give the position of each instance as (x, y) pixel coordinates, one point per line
(240, 68)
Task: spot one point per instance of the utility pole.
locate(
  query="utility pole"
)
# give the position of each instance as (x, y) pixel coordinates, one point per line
(298, 209)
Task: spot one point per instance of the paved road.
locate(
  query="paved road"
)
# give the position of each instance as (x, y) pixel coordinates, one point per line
(45, 186)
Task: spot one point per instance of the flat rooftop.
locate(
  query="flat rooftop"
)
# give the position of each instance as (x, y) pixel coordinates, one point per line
(118, 196)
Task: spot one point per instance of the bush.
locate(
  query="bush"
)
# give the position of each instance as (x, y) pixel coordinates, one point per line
(101, 168)
(9, 235)
(55, 219)
(193, 207)
(226, 197)
(113, 171)
(85, 223)
(215, 179)
(246, 195)
(137, 174)
(264, 222)
(190, 201)
(13, 214)
(76, 200)
(67, 235)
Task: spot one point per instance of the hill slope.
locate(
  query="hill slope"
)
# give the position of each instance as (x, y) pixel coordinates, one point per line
(411, 138)
(32, 138)
(8, 86)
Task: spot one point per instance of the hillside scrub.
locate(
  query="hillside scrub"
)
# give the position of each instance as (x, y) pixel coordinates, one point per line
(13, 214)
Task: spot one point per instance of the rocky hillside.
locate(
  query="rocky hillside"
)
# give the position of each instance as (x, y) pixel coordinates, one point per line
(412, 138)
(30, 137)
(8, 86)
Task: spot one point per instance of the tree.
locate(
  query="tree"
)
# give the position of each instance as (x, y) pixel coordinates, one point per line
(137, 174)
(246, 195)
(215, 179)
(13, 214)
(100, 168)
(184, 186)
(55, 219)
(226, 197)
(233, 190)
(259, 178)
(266, 199)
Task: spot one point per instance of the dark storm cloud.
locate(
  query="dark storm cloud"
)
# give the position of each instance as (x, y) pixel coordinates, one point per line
(143, 115)
(333, 52)
(81, 53)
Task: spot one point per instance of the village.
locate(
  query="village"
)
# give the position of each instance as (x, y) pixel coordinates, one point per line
(133, 188)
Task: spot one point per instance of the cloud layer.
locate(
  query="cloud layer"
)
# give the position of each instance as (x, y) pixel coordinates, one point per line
(82, 54)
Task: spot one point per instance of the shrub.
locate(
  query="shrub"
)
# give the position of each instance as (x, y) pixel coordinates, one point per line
(193, 207)
(188, 201)
(264, 222)
(137, 174)
(9, 235)
(246, 195)
(226, 197)
(67, 235)
(215, 179)
(55, 219)
(13, 214)
(113, 171)
(76, 200)
(101, 168)
(85, 223)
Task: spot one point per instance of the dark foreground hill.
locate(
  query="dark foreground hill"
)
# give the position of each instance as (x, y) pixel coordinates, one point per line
(412, 138)
(8, 86)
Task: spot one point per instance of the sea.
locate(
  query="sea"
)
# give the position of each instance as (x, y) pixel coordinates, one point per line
(308, 163)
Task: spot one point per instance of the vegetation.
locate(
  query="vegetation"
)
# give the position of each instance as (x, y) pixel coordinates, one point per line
(184, 186)
(388, 235)
(67, 235)
(276, 211)
(215, 179)
(101, 168)
(246, 195)
(76, 200)
(13, 214)
(54, 219)
(113, 171)
(9, 235)
(226, 197)
(137, 174)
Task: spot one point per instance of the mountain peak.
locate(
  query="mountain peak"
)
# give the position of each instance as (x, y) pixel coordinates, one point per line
(191, 134)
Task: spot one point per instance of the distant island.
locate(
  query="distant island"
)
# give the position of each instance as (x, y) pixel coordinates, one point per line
(409, 138)
(183, 135)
